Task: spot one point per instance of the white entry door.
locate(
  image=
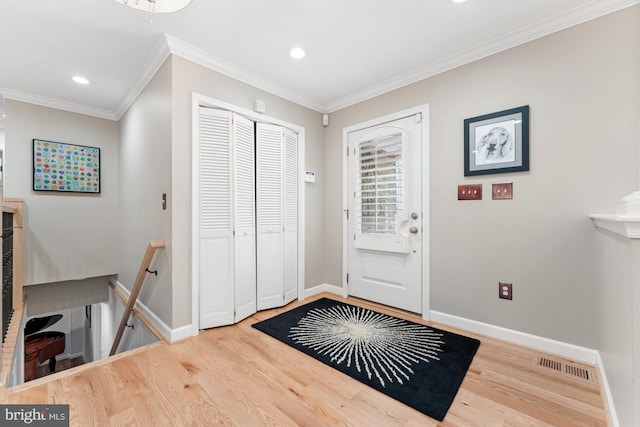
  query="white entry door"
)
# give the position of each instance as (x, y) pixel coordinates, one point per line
(385, 213)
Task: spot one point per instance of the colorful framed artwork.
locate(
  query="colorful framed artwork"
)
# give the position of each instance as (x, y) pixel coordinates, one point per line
(65, 167)
(497, 142)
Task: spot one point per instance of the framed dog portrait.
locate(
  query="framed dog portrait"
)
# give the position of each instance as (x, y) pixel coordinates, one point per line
(497, 142)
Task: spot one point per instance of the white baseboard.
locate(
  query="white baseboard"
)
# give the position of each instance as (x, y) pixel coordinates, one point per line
(181, 333)
(171, 335)
(322, 288)
(608, 397)
(546, 345)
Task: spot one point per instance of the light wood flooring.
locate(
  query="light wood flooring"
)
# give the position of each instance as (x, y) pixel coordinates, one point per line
(237, 375)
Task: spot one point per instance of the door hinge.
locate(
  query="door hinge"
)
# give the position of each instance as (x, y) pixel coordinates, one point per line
(234, 232)
(347, 151)
(347, 211)
(354, 237)
(347, 278)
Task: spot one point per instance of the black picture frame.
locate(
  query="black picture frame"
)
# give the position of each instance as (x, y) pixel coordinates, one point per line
(65, 168)
(497, 142)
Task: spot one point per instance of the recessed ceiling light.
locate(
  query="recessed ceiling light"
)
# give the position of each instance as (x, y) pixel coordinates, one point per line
(80, 80)
(458, 1)
(297, 52)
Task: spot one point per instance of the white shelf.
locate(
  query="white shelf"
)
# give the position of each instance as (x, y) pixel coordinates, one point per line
(625, 225)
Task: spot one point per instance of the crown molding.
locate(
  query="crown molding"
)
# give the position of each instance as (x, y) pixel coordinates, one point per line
(167, 45)
(198, 56)
(159, 54)
(576, 16)
(44, 101)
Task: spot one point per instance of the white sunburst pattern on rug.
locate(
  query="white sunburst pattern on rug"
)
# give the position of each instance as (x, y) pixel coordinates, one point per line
(383, 346)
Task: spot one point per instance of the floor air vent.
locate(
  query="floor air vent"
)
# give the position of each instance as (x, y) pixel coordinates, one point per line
(569, 369)
(550, 364)
(579, 372)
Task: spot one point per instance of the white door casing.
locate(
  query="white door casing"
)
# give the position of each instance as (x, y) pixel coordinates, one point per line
(384, 189)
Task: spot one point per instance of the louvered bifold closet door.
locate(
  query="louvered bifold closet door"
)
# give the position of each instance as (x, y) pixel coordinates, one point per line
(269, 215)
(244, 217)
(215, 219)
(290, 193)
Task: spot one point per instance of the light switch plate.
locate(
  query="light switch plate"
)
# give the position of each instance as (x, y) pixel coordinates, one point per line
(470, 192)
(502, 191)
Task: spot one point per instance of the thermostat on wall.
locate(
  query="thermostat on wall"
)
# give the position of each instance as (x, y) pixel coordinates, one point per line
(310, 176)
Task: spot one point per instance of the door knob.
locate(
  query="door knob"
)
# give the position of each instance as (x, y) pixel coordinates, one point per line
(413, 230)
(414, 216)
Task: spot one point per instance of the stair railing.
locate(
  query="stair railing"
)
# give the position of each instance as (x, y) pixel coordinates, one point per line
(142, 272)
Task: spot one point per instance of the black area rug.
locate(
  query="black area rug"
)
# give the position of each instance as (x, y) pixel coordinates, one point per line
(418, 365)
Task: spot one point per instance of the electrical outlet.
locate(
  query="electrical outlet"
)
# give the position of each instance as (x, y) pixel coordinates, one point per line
(470, 192)
(505, 290)
(502, 191)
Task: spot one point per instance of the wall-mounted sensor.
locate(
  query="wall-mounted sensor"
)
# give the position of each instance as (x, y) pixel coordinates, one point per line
(310, 176)
(259, 106)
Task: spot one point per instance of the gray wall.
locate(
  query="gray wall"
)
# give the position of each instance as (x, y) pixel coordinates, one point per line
(583, 88)
(65, 295)
(187, 78)
(66, 236)
(145, 173)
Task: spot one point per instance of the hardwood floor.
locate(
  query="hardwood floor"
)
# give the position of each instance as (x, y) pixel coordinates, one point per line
(237, 375)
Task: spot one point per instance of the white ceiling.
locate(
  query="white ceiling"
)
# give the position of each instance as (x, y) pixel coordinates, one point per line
(356, 49)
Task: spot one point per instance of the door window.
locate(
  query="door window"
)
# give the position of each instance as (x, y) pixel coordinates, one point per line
(380, 185)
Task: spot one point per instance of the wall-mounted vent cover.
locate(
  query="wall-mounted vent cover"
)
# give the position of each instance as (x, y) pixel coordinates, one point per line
(568, 369)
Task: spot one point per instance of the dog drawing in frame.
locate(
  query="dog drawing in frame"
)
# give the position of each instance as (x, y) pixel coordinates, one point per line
(495, 146)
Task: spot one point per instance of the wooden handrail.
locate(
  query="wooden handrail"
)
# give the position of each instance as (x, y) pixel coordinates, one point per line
(142, 272)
